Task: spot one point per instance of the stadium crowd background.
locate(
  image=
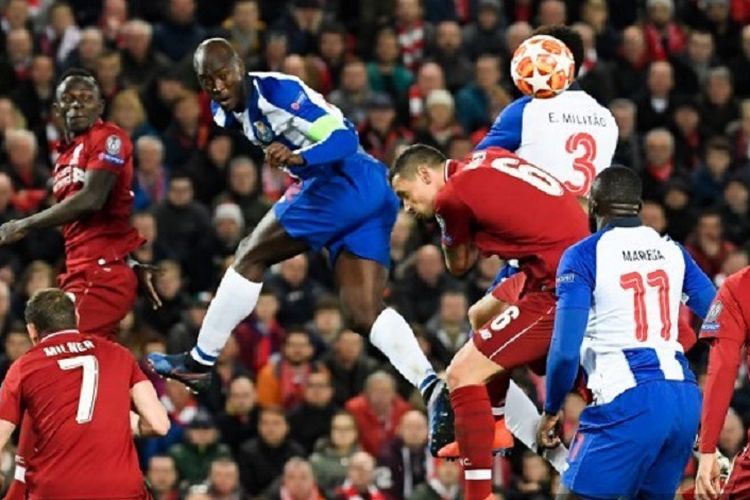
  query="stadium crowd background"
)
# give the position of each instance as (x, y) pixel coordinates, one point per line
(676, 76)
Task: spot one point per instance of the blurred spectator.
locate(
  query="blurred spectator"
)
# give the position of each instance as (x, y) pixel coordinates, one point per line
(402, 244)
(449, 328)
(312, 419)
(740, 66)
(301, 24)
(61, 36)
(552, 12)
(169, 286)
(282, 382)
(151, 251)
(349, 366)
(332, 454)
(660, 165)
(678, 209)
(414, 34)
(595, 13)
(377, 411)
(386, 73)
(711, 177)
(441, 125)
(229, 228)
(35, 277)
(179, 402)
(430, 77)
(514, 36)
(444, 485)
(277, 48)
(691, 68)
(380, 134)
(473, 100)
(162, 478)
(243, 189)
(535, 476)
(724, 29)
(689, 133)
(183, 335)
(359, 481)
(238, 422)
(418, 295)
(664, 36)
(16, 63)
(88, 50)
(208, 168)
(406, 456)
(224, 480)
(653, 216)
(734, 262)
(34, 96)
(112, 19)
(16, 14)
(186, 133)
(720, 107)
(449, 53)
(127, 111)
(245, 29)
(296, 291)
(741, 136)
(161, 95)
(140, 62)
(179, 33)
(707, 244)
(201, 446)
(16, 343)
(298, 482)
(655, 106)
(262, 459)
(7, 319)
(630, 68)
(10, 119)
(628, 151)
(734, 211)
(486, 35)
(327, 323)
(260, 336)
(594, 76)
(28, 175)
(108, 68)
(332, 50)
(150, 180)
(354, 93)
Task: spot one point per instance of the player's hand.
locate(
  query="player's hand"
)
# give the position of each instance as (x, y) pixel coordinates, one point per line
(707, 483)
(146, 274)
(12, 231)
(278, 155)
(548, 432)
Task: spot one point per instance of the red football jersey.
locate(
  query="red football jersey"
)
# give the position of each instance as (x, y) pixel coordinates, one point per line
(107, 233)
(728, 324)
(76, 388)
(510, 208)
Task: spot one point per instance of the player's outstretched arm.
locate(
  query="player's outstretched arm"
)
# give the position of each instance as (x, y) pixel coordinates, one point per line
(459, 259)
(6, 430)
(92, 197)
(153, 415)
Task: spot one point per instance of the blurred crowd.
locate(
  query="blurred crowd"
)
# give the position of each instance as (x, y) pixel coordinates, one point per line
(302, 409)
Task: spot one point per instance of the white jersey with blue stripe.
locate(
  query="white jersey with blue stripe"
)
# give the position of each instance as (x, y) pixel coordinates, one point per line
(279, 108)
(571, 136)
(637, 279)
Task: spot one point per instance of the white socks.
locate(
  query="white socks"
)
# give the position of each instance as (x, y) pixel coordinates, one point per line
(234, 301)
(393, 336)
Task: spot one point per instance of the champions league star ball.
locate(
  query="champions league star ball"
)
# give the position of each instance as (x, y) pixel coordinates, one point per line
(542, 67)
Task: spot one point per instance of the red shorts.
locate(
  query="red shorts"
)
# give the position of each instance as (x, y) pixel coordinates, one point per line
(738, 483)
(521, 334)
(104, 294)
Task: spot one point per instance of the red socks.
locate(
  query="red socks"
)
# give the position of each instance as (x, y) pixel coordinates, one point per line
(474, 432)
(497, 389)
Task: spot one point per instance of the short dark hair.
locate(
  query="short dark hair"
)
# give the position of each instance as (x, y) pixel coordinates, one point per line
(297, 330)
(417, 154)
(327, 303)
(569, 37)
(78, 73)
(719, 143)
(333, 28)
(51, 310)
(617, 184)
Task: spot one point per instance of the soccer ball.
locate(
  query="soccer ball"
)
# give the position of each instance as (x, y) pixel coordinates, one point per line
(542, 67)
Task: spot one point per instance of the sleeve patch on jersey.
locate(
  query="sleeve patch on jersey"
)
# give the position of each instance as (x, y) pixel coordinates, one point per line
(297, 103)
(116, 160)
(711, 323)
(566, 278)
(113, 145)
(446, 238)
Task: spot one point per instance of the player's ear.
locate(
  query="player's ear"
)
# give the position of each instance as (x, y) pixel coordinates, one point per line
(423, 172)
(33, 333)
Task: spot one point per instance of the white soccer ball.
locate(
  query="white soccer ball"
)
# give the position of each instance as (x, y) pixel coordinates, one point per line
(542, 67)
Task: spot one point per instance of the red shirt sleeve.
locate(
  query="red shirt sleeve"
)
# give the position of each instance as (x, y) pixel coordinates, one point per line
(10, 395)
(110, 150)
(136, 374)
(453, 216)
(725, 324)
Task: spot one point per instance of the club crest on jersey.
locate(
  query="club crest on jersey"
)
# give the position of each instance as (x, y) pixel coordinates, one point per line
(711, 323)
(263, 133)
(447, 239)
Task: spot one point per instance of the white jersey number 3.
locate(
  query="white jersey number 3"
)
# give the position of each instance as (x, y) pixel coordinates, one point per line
(89, 384)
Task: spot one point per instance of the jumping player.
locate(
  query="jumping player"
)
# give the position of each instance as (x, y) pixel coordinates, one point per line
(342, 202)
(498, 204)
(78, 389)
(727, 327)
(619, 293)
(92, 181)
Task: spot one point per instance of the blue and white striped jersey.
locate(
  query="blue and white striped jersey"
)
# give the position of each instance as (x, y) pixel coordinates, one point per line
(281, 108)
(619, 294)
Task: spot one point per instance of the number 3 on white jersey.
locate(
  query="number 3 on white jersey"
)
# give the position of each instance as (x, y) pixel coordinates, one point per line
(89, 384)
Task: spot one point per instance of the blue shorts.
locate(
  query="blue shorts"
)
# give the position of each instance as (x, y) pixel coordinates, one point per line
(348, 205)
(638, 444)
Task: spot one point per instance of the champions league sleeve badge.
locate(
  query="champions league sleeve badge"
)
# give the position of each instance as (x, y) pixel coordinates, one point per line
(112, 149)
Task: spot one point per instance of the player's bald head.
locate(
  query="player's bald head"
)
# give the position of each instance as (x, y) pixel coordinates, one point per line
(616, 191)
(212, 53)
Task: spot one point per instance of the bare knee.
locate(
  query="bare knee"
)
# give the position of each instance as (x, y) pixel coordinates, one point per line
(361, 314)
(470, 367)
(249, 263)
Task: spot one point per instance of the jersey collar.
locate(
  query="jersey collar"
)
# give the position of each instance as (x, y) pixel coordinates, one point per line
(630, 221)
(61, 332)
(450, 168)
